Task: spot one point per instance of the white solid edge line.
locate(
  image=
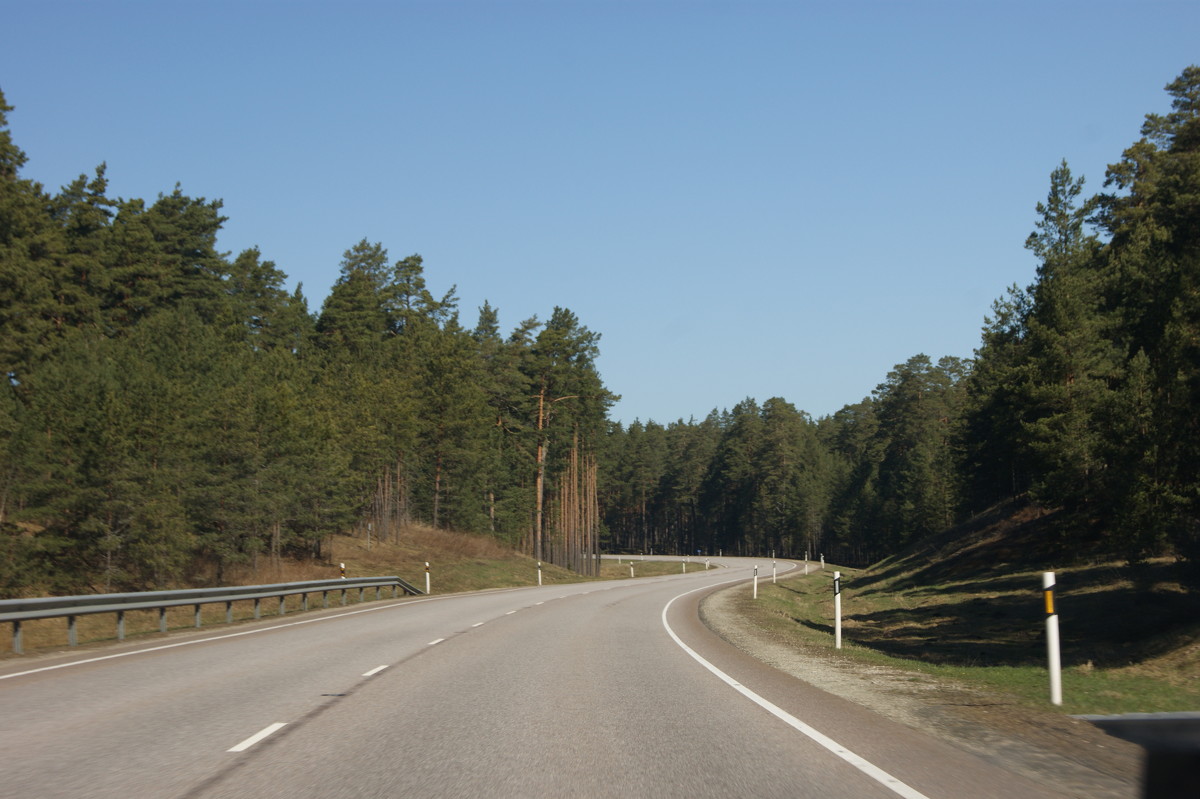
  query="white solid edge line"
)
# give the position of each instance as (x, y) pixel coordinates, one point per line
(374, 671)
(863, 765)
(258, 736)
(438, 641)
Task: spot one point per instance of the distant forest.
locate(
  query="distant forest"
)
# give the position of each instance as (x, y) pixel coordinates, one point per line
(170, 411)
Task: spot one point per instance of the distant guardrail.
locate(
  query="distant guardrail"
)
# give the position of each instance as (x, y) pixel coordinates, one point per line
(16, 611)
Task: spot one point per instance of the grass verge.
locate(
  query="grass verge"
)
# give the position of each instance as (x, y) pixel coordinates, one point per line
(951, 632)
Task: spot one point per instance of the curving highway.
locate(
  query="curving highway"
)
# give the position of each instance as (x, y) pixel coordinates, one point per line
(590, 690)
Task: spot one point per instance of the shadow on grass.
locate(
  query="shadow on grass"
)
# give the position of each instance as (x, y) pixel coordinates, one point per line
(1110, 628)
(976, 598)
(1070, 580)
(813, 625)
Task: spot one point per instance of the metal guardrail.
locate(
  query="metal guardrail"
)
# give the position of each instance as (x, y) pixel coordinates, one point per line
(16, 611)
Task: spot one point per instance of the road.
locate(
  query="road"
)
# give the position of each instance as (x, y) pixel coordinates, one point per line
(585, 690)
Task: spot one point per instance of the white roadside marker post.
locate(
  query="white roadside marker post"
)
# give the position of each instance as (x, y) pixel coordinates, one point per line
(837, 610)
(539, 572)
(631, 568)
(822, 561)
(427, 577)
(1052, 648)
(773, 572)
(343, 565)
(756, 582)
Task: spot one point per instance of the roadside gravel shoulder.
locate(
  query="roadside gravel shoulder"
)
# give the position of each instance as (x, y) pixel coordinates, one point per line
(1070, 755)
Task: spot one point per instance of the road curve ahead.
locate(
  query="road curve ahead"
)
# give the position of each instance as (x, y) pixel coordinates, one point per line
(608, 689)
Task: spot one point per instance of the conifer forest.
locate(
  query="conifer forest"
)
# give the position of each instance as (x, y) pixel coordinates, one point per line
(168, 406)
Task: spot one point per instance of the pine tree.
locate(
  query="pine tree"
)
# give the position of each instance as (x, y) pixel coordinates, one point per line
(1070, 360)
(1153, 263)
(352, 318)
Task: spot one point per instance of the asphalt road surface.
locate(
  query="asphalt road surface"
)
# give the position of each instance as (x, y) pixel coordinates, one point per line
(590, 690)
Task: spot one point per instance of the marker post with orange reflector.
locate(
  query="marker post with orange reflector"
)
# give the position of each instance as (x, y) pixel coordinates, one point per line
(1052, 649)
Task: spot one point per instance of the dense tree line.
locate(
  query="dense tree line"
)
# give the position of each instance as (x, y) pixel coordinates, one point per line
(166, 406)
(1082, 397)
(854, 486)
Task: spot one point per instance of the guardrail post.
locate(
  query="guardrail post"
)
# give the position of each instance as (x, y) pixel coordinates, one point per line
(283, 604)
(229, 613)
(343, 596)
(324, 599)
(17, 638)
(162, 620)
(304, 602)
(257, 608)
(72, 634)
(361, 593)
(120, 625)
(196, 608)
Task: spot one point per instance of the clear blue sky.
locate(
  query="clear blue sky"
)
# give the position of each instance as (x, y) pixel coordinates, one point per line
(744, 199)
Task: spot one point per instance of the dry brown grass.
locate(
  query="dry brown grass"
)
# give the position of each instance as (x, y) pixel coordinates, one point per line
(454, 544)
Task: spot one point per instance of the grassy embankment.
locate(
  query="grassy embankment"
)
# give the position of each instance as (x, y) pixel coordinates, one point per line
(458, 562)
(967, 607)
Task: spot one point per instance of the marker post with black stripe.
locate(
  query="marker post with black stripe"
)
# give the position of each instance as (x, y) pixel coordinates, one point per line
(837, 610)
(1052, 648)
